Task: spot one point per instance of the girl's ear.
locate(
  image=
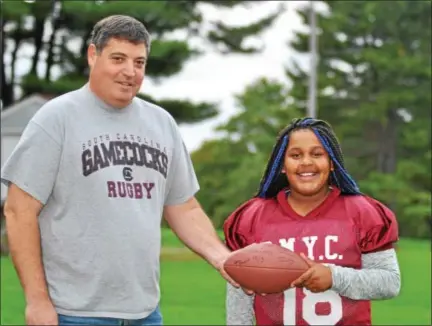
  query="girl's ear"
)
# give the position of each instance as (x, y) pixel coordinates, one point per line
(331, 166)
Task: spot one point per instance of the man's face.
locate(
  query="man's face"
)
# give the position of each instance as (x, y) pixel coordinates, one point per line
(117, 72)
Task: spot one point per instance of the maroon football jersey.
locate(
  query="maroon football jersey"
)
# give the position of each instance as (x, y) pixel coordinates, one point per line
(336, 232)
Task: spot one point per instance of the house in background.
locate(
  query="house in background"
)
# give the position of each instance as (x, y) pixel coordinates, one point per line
(14, 119)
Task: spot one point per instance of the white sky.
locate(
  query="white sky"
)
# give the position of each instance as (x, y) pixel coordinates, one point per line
(215, 77)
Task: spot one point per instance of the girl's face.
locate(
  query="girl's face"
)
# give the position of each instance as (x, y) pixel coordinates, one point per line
(307, 164)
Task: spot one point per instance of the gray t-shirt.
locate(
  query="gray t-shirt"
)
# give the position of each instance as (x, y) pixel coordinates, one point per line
(104, 176)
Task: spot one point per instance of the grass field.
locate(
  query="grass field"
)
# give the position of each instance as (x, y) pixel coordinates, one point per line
(193, 293)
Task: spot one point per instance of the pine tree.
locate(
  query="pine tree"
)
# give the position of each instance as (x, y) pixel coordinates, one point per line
(67, 22)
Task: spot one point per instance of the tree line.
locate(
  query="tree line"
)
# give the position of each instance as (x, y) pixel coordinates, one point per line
(54, 34)
(374, 88)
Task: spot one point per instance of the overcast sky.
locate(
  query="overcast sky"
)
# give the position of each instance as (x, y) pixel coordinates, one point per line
(215, 77)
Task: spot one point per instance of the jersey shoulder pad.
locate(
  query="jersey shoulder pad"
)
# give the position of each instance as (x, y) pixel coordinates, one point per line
(377, 224)
(240, 225)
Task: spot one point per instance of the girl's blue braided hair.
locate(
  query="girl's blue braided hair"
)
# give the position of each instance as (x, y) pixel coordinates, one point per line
(274, 181)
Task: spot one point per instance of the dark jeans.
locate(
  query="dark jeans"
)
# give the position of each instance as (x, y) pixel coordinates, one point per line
(155, 318)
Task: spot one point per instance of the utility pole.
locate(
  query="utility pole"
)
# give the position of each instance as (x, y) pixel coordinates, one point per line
(312, 106)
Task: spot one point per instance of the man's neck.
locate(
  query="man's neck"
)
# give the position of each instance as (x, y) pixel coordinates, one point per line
(99, 98)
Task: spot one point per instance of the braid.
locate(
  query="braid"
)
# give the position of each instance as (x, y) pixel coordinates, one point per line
(274, 181)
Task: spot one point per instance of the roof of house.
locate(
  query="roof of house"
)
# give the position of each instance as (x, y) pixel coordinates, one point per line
(15, 118)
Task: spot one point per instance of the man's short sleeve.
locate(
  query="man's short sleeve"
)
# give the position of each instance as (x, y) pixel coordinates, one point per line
(182, 183)
(34, 162)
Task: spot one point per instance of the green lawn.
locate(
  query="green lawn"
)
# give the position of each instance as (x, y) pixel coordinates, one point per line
(193, 293)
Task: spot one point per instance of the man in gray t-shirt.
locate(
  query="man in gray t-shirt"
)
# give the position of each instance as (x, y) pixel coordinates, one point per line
(90, 179)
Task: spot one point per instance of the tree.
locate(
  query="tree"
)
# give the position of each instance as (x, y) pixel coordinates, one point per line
(213, 162)
(374, 73)
(374, 80)
(58, 32)
(230, 168)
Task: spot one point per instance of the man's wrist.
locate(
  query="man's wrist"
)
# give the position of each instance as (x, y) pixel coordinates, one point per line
(218, 255)
(37, 297)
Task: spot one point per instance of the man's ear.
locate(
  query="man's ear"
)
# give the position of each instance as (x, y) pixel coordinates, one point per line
(91, 55)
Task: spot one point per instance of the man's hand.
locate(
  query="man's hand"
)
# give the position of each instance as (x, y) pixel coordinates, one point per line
(220, 267)
(41, 313)
(190, 223)
(318, 278)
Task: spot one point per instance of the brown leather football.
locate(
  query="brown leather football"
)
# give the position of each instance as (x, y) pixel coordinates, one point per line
(265, 267)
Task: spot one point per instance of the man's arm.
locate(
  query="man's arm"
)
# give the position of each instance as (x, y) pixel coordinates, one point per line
(196, 231)
(21, 212)
(30, 173)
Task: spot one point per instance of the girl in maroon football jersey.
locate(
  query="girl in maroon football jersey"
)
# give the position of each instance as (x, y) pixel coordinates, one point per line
(308, 203)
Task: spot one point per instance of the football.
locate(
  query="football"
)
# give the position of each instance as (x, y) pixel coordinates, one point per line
(265, 268)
